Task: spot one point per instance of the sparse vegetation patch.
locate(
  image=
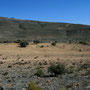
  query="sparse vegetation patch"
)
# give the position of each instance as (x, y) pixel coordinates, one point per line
(56, 69)
(33, 86)
(39, 72)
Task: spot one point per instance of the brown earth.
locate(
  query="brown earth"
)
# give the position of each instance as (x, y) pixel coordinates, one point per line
(16, 62)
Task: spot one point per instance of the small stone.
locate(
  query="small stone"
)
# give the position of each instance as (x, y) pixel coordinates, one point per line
(48, 81)
(9, 66)
(36, 57)
(23, 88)
(6, 73)
(69, 85)
(1, 88)
(88, 87)
(78, 84)
(45, 63)
(79, 50)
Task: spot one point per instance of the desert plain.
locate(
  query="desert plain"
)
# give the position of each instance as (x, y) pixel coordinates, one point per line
(18, 66)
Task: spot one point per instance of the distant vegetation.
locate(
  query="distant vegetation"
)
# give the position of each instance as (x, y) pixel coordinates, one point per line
(84, 43)
(36, 41)
(24, 43)
(54, 43)
(18, 41)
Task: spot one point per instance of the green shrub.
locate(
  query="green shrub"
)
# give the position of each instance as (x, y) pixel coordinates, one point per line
(33, 86)
(23, 44)
(63, 88)
(18, 41)
(40, 63)
(84, 43)
(6, 41)
(56, 69)
(39, 72)
(70, 69)
(53, 43)
(85, 66)
(36, 41)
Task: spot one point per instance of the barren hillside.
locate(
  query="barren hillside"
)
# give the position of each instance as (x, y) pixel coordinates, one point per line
(12, 29)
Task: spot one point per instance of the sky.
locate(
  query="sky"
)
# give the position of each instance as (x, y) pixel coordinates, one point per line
(70, 11)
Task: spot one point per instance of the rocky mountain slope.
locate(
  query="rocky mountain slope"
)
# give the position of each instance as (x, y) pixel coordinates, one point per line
(13, 29)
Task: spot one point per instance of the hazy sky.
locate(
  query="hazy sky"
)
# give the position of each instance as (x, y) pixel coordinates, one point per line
(72, 11)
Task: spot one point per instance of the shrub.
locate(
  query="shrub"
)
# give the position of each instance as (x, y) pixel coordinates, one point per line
(18, 41)
(41, 46)
(39, 72)
(85, 66)
(56, 69)
(63, 88)
(6, 41)
(53, 43)
(33, 86)
(70, 69)
(84, 43)
(36, 41)
(40, 63)
(23, 44)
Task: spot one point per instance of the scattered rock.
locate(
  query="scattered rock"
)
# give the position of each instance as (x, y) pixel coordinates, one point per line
(1, 62)
(5, 73)
(69, 85)
(48, 81)
(36, 57)
(41, 46)
(9, 66)
(1, 88)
